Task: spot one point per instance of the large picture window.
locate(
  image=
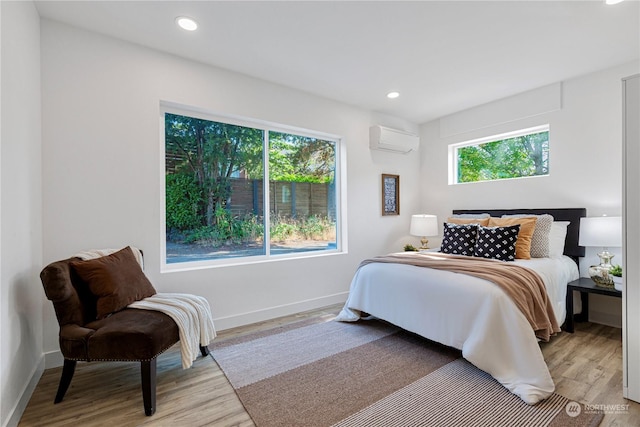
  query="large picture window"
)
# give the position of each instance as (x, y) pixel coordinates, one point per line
(524, 153)
(237, 190)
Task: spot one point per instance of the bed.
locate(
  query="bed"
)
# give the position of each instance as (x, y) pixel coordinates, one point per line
(470, 313)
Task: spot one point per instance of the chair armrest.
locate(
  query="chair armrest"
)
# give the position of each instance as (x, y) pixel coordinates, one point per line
(74, 340)
(75, 332)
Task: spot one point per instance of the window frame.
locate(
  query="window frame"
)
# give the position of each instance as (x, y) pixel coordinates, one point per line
(266, 127)
(453, 152)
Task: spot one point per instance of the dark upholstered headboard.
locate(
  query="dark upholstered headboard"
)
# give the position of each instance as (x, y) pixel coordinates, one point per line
(572, 215)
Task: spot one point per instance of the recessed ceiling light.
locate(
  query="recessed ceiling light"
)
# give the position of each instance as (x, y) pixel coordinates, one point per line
(392, 95)
(186, 23)
(613, 1)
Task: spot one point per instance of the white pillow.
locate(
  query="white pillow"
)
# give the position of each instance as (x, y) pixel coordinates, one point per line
(471, 216)
(557, 237)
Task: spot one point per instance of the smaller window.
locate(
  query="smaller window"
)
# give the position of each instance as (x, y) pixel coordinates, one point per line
(519, 154)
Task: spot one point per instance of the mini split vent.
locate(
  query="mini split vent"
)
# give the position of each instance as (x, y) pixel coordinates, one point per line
(397, 141)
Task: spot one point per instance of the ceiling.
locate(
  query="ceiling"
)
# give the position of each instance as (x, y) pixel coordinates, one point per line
(442, 56)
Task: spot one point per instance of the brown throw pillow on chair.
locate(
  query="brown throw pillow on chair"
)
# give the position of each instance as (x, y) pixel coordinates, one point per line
(117, 280)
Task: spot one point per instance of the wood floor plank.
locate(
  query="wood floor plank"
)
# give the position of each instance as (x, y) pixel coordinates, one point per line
(586, 366)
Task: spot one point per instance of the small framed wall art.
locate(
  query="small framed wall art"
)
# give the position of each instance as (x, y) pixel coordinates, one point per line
(390, 194)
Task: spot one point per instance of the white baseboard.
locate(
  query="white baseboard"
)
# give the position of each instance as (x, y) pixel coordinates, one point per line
(242, 319)
(54, 359)
(21, 404)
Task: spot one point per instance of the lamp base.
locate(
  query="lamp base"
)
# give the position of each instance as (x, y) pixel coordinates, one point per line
(424, 242)
(600, 273)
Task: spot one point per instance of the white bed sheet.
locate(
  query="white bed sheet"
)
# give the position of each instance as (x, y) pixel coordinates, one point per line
(555, 273)
(465, 312)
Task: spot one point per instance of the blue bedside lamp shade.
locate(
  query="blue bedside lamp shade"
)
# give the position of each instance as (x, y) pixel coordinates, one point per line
(424, 226)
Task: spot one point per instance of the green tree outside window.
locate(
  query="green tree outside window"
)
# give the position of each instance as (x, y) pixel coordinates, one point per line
(516, 157)
(215, 193)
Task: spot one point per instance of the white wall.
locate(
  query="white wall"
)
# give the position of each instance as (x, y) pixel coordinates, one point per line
(102, 164)
(98, 183)
(21, 218)
(585, 160)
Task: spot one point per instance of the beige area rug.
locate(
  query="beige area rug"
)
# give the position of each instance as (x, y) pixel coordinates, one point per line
(370, 373)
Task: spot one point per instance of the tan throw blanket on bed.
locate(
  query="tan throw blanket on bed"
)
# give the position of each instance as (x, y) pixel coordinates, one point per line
(524, 286)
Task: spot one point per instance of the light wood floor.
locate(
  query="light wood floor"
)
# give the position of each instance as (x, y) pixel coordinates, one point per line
(586, 367)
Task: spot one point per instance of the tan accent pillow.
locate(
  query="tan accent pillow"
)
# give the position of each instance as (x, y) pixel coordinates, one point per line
(117, 280)
(527, 227)
(480, 221)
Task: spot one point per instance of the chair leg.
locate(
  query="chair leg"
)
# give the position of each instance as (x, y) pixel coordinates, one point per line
(148, 371)
(204, 350)
(68, 370)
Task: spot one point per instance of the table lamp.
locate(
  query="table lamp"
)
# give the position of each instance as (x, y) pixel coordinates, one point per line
(424, 226)
(605, 232)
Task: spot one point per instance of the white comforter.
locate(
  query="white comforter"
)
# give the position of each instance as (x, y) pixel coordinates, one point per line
(467, 313)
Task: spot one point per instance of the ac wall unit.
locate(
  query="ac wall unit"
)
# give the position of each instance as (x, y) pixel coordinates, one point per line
(397, 141)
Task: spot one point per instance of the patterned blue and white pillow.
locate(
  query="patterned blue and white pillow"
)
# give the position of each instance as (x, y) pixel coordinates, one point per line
(459, 239)
(497, 242)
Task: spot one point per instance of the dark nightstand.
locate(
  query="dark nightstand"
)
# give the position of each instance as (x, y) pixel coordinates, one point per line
(585, 286)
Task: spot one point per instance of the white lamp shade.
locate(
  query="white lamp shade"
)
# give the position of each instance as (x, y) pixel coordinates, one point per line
(424, 225)
(602, 231)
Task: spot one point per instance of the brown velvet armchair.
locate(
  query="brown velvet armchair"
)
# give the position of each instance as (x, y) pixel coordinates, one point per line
(126, 335)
